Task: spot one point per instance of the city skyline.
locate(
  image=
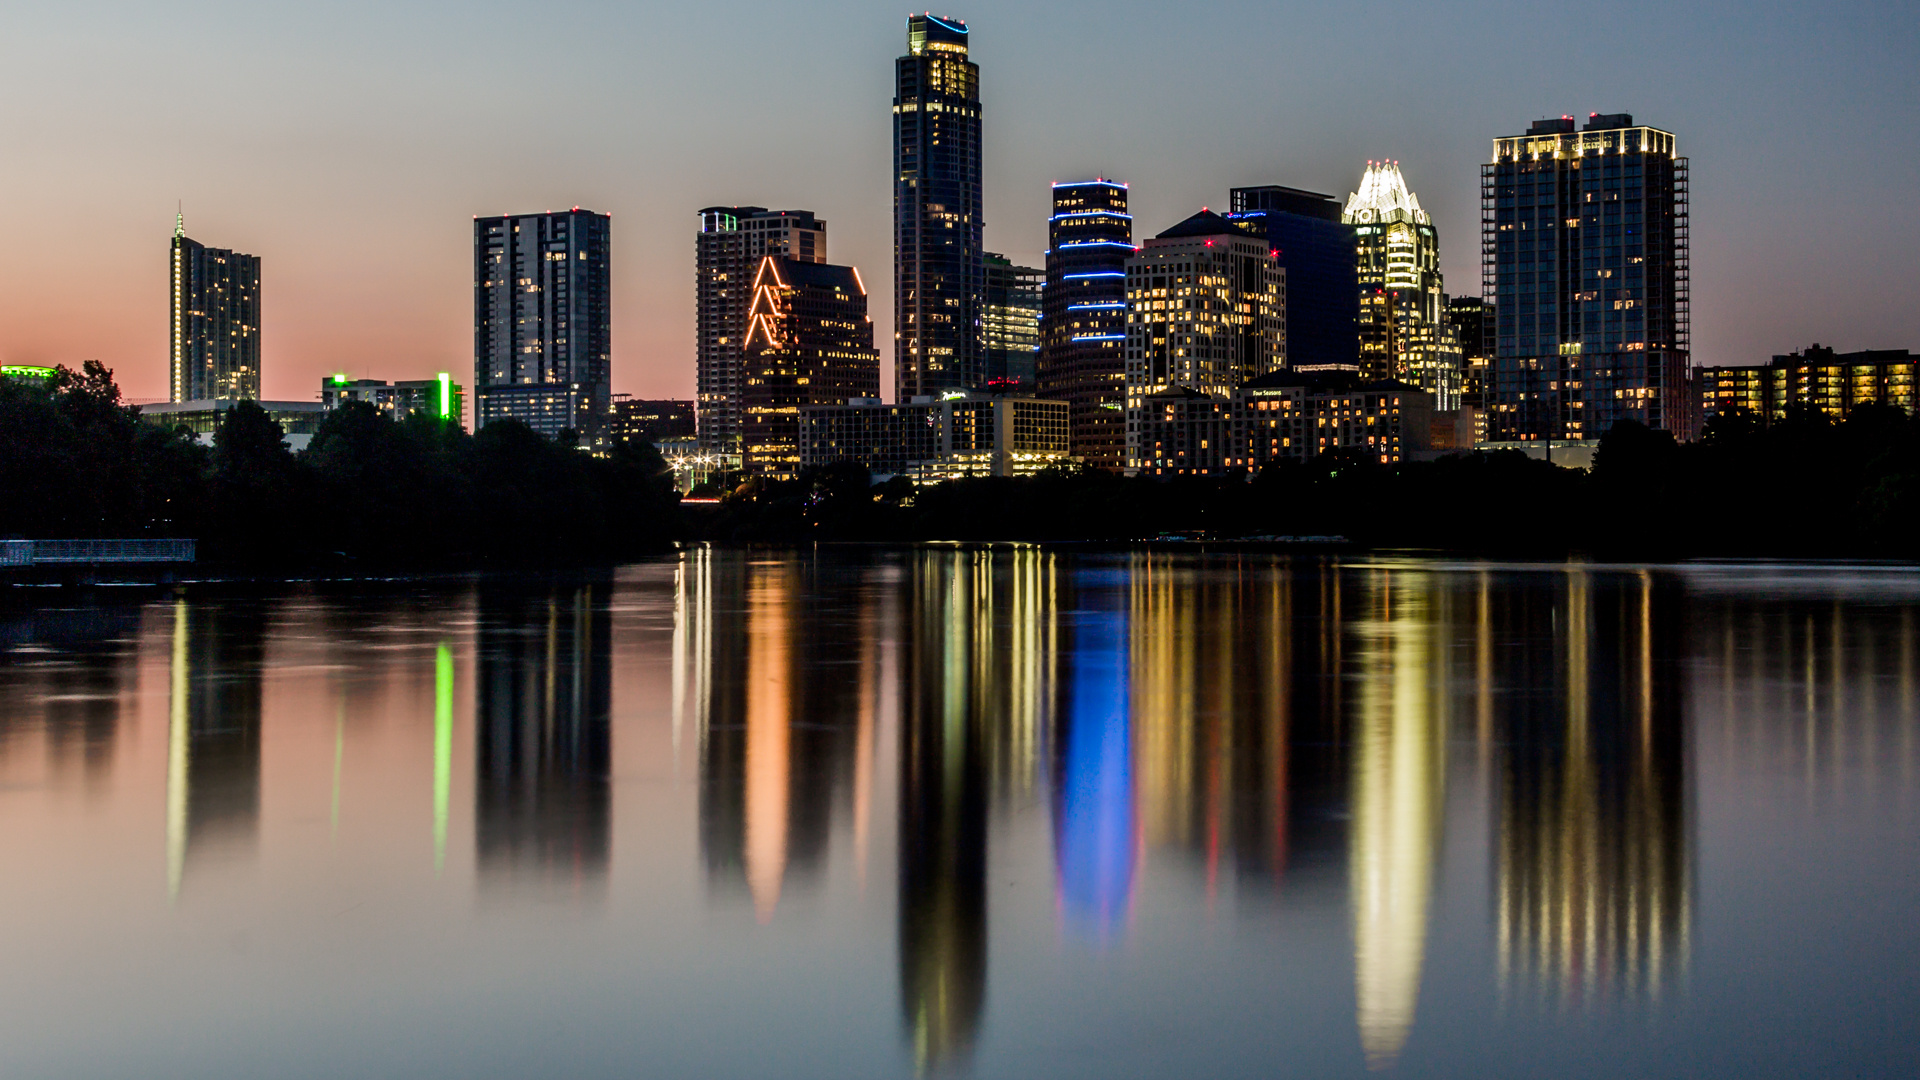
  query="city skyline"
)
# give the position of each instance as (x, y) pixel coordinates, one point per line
(373, 140)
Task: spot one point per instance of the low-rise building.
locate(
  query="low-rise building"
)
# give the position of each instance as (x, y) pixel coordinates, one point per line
(931, 439)
(298, 420)
(637, 420)
(1817, 378)
(1284, 415)
(439, 396)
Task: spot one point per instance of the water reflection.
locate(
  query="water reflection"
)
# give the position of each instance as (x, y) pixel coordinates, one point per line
(213, 732)
(543, 697)
(1594, 881)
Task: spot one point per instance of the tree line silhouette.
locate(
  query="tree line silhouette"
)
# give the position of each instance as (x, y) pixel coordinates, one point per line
(370, 492)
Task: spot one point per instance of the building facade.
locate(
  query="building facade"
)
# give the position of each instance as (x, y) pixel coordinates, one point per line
(1284, 415)
(1318, 252)
(214, 322)
(727, 250)
(809, 342)
(1818, 379)
(1472, 320)
(1584, 244)
(1083, 327)
(542, 321)
(1404, 333)
(1206, 310)
(637, 420)
(930, 439)
(298, 420)
(438, 397)
(939, 272)
(1012, 323)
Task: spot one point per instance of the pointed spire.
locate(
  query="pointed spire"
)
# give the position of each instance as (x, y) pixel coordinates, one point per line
(180, 221)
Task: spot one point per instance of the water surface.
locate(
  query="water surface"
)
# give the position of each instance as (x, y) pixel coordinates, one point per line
(1003, 813)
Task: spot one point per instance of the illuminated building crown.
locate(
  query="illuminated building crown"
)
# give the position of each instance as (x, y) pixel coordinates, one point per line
(1383, 196)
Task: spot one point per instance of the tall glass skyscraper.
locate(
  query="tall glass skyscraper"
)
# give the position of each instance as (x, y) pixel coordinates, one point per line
(1083, 324)
(214, 331)
(727, 253)
(1584, 245)
(1012, 316)
(939, 276)
(1404, 333)
(542, 327)
(1317, 250)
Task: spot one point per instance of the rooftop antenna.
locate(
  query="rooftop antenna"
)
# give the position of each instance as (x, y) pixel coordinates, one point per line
(180, 219)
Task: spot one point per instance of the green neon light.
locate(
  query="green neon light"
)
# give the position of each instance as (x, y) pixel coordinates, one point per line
(340, 380)
(28, 370)
(446, 396)
(442, 750)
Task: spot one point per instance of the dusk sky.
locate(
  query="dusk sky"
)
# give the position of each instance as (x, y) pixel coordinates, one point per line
(349, 145)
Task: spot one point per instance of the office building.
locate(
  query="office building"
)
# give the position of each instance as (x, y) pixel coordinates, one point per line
(809, 342)
(1318, 252)
(440, 396)
(1284, 415)
(1206, 310)
(1818, 380)
(1083, 329)
(939, 274)
(637, 420)
(1584, 249)
(1012, 323)
(1472, 320)
(1403, 330)
(931, 439)
(542, 327)
(298, 420)
(214, 322)
(727, 250)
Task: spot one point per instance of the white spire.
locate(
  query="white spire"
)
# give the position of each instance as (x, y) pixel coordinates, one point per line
(1382, 192)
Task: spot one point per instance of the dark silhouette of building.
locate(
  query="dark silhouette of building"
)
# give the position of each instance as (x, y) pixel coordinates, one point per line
(542, 321)
(638, 420)
(727, 250)
(1317, 249)
(544, 690)
(809, 342)
(214, 322)
(1083, 327)
(1012, 324)
(1584, 244)
(939, 287)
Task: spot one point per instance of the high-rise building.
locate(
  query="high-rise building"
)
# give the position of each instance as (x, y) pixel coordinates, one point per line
(214, 331)
(1012, 323)
(1403, 330)
(1206, 311)
(727, 250)
(1472, 319)
(1318, 251)
(809, 342)
(1083, 328)
(1584, 247)
(542, 327)
(439, 397)
(939, 276)
(637, 420)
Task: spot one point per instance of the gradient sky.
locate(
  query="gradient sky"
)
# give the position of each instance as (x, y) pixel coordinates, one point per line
(350, 144)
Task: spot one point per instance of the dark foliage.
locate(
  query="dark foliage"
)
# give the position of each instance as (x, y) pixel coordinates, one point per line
(368, 493)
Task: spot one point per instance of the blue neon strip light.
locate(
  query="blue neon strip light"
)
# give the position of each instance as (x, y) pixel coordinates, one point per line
(1096, 243)
(1091, 213)
(1100, 337)
(1092, 183)
(1103, 273)
(1096, 307)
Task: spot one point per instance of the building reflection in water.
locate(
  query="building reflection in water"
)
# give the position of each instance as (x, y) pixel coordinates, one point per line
(544, 693)
(1096, 838)
(978, 660)
(213, 731)
(1593, 892)
(780, 677)
(81, 698)
(1399, 769)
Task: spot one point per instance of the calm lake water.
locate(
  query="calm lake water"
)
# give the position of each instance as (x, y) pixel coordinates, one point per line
(1001, 813)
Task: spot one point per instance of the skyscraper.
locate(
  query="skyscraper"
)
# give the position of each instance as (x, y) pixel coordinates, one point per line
(727, 250)
(939, 276)
(542, 330)
(1083, 328)
(1584, 245)
(1318, 251)
(809, 342)
(1206, 303)
(214, 328)
(1012, 323)
(1403, 330)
